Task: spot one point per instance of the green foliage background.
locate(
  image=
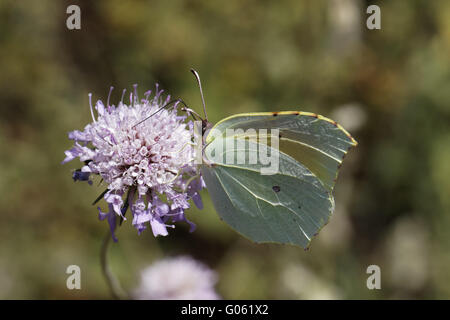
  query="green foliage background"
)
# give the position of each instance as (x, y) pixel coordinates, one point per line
(392, 196)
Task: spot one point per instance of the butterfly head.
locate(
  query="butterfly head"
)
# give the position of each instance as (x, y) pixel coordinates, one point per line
(206, 125)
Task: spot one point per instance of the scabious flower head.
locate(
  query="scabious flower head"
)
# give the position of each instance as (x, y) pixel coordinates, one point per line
(178, 278)
(147, 162)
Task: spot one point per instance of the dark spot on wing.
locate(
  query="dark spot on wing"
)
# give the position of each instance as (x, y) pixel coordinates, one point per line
(276, 188)
(275, 114)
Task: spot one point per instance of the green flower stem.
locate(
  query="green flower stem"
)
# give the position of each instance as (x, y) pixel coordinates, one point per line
(113, 283)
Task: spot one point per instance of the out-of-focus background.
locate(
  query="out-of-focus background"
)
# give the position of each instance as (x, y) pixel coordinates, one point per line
(390, 88)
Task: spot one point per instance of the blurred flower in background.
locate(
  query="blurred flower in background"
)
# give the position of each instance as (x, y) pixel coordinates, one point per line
(407, 257)
(177, 278)
(302, 283)
(351, 116)
(345, 25)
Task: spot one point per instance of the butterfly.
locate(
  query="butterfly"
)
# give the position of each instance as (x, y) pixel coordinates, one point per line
(289, 205)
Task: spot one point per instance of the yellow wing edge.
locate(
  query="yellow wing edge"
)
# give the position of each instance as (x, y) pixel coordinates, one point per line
(297, 113)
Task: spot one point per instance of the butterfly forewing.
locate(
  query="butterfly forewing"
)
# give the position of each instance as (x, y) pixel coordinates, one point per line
(317, 142)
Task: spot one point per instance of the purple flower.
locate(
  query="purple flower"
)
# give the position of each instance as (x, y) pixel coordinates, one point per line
(179, 278)
(111, 216)
(146, 159)
(79, 175)
(115, 200)
(193, 192)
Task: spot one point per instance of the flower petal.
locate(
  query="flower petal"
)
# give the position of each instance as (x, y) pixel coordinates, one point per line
(158, 227)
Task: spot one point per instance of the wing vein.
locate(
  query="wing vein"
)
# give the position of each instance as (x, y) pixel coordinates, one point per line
(279, 204)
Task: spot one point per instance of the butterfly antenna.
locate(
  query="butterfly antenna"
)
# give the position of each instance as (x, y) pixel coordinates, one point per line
(201, 91)
(185, 108)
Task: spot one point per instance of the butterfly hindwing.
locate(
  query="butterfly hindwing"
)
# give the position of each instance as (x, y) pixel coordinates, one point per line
(290, 206)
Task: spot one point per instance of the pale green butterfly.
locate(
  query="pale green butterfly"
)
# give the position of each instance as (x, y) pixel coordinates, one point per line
(290, 206)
